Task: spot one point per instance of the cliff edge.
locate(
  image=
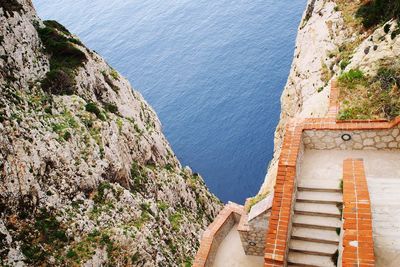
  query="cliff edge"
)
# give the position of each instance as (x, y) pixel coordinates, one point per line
(87, 177)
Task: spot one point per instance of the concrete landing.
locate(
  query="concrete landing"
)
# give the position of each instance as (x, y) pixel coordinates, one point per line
(230, 253)
(382, 170)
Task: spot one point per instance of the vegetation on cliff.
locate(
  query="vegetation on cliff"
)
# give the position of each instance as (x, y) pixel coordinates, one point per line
(366, 97)
(65, 58)
(372, 92)
(378, 11)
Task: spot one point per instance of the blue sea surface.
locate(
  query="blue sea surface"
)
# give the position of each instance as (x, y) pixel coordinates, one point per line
(213, 71)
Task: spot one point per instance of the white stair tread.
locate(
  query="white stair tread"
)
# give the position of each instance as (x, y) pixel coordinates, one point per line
(319, 184)
(317, 220)
(319, 196)
(317, 208)
(309, 233)
(310, 260)
(308, 246)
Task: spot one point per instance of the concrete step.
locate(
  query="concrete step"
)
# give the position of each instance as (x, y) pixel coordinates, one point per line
(316, 222)
(312, 248)
(316, 209)
(319, 186)
(301, 259)
(319, 197)
(315, 235)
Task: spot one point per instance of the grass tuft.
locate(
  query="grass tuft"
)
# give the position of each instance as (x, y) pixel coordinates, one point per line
(370, 97)
(93, 108)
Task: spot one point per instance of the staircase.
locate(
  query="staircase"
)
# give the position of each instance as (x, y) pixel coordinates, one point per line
(317, 218)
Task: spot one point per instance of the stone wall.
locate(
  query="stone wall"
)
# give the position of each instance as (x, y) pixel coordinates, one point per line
(280, 223)
(253, 236)
(388, 139)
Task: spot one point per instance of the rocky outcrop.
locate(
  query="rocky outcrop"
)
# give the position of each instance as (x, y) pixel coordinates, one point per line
(87, 177)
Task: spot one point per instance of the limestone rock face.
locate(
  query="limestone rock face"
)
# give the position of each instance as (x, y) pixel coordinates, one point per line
(306, 93)
(376, 50)
(87, 176)
(321, 35)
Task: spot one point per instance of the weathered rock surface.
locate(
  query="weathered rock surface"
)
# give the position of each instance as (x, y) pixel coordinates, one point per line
(306, 93)
(87, 178)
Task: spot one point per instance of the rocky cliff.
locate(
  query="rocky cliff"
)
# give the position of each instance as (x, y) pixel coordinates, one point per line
(87, 177)
(332, 39)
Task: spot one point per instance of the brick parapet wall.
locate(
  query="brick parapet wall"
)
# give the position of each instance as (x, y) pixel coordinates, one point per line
(276, 244)
(216, 232)
(358, 244)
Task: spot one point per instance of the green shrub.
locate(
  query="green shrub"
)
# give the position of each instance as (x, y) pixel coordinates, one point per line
(188, 262)
(59, 82)
(138, 176)
(50, 228)
(99, 197)
(114, 74)
(71, 254)
(55, 25)
(169, 167)
(63, 53)
(65, 58)
(67, 136)
(370, 97)
(92, 108)
(378, 11)
(351, 76)
(135, 257)
(111, 108)
(175, 220)
(33, 253)
(344, 63)
(387, 78)
(348, 113)
(163, 206)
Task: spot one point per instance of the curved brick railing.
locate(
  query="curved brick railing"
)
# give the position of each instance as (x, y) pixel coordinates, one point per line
(216, 232)
(358, 244)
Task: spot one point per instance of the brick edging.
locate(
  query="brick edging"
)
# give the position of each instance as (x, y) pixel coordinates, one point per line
(279, 224)
(208, 237)
(358, 244)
